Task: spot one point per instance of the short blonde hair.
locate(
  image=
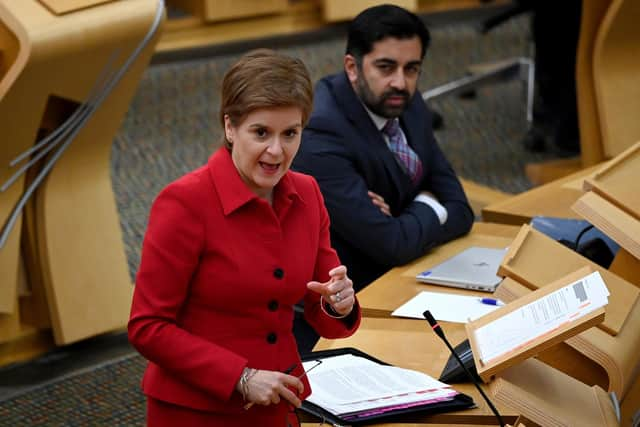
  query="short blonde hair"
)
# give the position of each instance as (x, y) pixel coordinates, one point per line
(264, 78)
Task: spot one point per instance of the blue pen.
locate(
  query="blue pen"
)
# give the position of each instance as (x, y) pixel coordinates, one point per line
(491, 301)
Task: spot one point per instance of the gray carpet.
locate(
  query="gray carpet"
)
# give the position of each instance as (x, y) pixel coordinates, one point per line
(172, 128)
(104, 395)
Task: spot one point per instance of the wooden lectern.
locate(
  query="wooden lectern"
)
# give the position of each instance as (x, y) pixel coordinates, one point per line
(68, 70)
(606, 356)
(545, 395)
(535, 260)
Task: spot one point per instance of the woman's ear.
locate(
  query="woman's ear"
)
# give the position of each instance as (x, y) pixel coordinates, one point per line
(228, 129)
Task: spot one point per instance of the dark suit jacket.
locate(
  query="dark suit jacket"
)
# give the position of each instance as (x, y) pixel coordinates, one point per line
(346, 153)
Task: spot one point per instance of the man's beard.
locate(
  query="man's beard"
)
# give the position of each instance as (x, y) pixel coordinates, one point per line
(377, 105)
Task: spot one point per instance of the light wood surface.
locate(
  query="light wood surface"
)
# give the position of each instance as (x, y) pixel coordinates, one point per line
(27, 344)
(535, 260)
(340, 10)
(480, 196)
(599, 358)
(551, 170)
(553, 199)
(607, 83)
(399, 285)
(487, 369)
(15, 48)
(73, 241)
(552, 398)
(315, 424)
(60, 7)
(630, 404)
(594, 356)
(626, 266)
(615, 182)
(337, 10)
(193, 32)
(591, 150)
(221, 10)
(616, 72)
(617, 224)
(411, 344)
(563, 356)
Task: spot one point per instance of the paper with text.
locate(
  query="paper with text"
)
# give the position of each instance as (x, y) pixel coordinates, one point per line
(349, 384)
(540, 317)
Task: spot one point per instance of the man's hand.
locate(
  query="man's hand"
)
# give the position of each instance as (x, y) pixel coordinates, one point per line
(378, 200)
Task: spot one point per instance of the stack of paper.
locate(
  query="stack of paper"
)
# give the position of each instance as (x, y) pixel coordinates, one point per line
(353, 387)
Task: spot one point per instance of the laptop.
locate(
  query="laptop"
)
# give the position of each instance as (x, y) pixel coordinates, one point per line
(474, 268)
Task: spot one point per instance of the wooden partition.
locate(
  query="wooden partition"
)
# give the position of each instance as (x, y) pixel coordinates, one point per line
(340, 10)
(223, 10)
(196, 24)
(13, 52)
(72, 69)
(591, 150)
(594, 356)
(535, 260)
(616, 72)
(608, 85)
(549, 397)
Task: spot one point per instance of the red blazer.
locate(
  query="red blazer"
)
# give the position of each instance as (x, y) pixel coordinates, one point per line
(219, 275)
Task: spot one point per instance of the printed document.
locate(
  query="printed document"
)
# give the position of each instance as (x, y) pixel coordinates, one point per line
(540, 317)
(352, 385)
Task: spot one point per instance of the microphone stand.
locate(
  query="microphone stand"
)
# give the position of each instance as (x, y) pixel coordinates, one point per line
(438, 330)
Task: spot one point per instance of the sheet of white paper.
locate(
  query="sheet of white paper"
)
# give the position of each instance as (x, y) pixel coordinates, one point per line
(443, 306)
(346, 384)
(541, 316)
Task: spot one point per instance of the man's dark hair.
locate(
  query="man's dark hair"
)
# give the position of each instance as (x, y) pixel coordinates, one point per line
(379, 22)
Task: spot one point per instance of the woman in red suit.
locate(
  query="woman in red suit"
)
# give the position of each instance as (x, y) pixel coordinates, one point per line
(229, 249)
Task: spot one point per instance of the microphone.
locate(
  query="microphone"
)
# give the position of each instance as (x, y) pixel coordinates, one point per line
(438, 330)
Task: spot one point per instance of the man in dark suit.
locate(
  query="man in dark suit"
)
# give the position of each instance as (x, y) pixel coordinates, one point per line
(391, 193)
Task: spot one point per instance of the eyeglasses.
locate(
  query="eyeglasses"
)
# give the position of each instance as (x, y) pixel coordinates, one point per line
(317, 363)
(292, 415)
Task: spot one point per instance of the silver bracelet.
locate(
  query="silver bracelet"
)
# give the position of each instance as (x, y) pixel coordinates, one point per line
(247, 373)
(335, 316)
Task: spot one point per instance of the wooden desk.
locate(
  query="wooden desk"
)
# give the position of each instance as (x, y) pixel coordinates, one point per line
(399, 285)
(553, 199)
(411, 344)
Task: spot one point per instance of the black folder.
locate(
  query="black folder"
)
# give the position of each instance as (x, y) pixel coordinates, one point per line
(458, 402)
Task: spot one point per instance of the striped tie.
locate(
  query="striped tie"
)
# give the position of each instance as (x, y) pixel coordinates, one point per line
(407, 158)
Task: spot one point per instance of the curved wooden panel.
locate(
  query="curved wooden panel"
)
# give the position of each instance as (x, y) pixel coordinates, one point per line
(598, 350)
(16, 132)
(616, 71)
(591, 150)
(78, 241)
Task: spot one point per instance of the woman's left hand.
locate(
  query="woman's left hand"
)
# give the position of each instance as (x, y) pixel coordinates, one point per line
(338, 291)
